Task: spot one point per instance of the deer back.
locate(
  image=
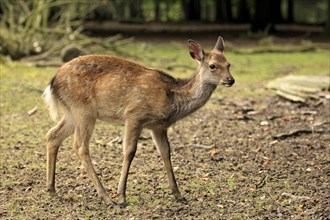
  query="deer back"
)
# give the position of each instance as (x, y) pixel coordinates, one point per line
(111, 88)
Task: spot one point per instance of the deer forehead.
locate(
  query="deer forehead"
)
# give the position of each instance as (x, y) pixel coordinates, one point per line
(215, 57)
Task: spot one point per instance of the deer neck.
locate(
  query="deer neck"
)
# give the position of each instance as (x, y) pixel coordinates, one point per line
(191, 95)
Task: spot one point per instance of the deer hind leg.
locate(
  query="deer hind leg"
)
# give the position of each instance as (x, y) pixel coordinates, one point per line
(160, 138)
(131, 136)
(55, 137)
(83, 131)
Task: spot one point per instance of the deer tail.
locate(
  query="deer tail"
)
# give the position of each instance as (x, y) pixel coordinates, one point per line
(51, 101)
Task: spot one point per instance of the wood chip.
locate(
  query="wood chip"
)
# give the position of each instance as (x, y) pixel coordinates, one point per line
(32, 111)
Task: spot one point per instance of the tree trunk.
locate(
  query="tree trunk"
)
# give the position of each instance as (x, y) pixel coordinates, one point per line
(192, 9)
(243, 14)
(135, 9)
(120, 10)
(223, 10)
(168, 8)
(157, 10)
(327, 25)
(262, 15)
(229, 12)
(290, 18)
(276, 15)
(267, 13)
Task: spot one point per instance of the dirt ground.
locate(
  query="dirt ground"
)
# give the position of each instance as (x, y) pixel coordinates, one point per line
(232, 159)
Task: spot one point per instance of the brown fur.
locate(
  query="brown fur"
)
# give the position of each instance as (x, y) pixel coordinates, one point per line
(116, 90)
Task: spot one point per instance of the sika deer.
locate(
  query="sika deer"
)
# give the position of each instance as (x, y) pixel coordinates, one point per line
(108, 88)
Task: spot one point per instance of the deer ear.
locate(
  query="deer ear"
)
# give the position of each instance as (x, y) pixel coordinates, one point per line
(220, 44)
(195, 50)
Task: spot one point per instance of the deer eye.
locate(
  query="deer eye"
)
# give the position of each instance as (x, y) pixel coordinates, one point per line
(212, 67)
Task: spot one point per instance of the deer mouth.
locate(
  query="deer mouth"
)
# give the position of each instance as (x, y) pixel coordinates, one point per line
(227, 83)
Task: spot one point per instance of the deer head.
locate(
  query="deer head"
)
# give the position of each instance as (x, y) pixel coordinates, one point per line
(213, 65)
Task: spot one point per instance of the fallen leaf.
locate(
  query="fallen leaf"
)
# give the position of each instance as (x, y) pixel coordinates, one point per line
(266, 163)
(214, 151)
(111, 188)
(200, 199)
(257, 150)
(206, 176)
(300, 208)
(114, 195)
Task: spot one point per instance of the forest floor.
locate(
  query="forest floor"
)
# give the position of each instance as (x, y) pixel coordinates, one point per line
(247, 154)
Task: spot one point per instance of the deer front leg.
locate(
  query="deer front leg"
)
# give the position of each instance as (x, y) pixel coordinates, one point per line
(163, 146)
(131, 136)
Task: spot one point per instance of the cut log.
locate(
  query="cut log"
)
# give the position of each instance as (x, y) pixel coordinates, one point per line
(300, 88)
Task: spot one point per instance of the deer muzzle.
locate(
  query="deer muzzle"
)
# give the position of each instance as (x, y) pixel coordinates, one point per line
(228, 82)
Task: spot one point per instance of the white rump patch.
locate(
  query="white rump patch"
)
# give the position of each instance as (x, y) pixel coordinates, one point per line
(51, 102)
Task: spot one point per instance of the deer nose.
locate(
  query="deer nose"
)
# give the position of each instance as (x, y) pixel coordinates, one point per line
(230, 81)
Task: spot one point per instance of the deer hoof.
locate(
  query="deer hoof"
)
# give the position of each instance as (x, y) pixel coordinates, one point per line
(51, 191)
(182, 200)
(123, 205)
(108, 201)
(122, 202)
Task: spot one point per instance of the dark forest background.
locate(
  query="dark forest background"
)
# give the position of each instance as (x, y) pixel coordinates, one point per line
(30, 27)
(261, 14)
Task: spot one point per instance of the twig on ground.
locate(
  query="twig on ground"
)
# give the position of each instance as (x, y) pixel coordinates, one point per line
(32, 111)
(207, 147)
(296, 133)
(295, 197)
(262, 182)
